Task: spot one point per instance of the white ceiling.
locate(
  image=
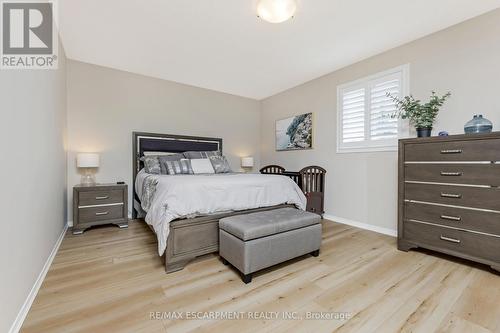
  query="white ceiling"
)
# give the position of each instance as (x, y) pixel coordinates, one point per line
(222, 45)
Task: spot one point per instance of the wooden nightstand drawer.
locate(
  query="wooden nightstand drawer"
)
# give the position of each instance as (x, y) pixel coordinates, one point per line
(91, 198)
(99, 204)
(94, 214)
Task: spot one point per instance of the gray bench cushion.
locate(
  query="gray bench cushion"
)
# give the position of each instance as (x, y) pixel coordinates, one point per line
(267, 223)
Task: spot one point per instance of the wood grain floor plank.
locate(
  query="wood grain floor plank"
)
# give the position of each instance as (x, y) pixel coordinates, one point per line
(112, 280)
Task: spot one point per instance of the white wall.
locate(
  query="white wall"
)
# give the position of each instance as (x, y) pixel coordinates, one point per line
(105, 106)
(464, 59)
(33, 178)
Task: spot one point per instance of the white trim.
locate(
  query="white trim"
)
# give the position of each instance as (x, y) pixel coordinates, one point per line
(103, 205)
(367, 146)
(365, 226)
(367, 149)
(452, 206)
(21, 316)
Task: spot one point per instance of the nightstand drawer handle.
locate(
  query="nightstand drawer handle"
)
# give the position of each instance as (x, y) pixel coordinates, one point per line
(452, 240)
(452, 151)
(451, 218)
(444, 173)
(101, 214)
(102, 198)
(451, 195)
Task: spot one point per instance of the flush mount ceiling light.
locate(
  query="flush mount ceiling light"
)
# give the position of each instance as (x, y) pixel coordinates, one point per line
(276, 11)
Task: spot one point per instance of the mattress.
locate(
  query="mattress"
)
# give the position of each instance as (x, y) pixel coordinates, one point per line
(165, 198)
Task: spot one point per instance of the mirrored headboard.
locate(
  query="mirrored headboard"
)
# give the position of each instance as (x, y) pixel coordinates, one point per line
(166, 143)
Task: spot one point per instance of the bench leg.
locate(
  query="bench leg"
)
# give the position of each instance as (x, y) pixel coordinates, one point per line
(315, 253)
(246, 278)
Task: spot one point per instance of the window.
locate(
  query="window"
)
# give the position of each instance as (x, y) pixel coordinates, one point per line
(364, 122)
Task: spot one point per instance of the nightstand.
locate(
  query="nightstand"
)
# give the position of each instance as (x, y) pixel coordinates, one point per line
(99, 204)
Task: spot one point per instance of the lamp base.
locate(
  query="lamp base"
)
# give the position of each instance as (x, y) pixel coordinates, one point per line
(88, 179)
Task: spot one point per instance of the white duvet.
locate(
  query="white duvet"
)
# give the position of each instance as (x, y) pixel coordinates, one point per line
(182, 196)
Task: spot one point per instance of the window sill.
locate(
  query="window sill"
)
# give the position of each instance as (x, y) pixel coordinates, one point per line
(350, 150)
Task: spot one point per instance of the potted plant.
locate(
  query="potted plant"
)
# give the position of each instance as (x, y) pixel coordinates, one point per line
(422, 116)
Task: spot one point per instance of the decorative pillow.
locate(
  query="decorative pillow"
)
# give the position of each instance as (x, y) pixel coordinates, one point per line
(201, 154)
(202, 165)
(181, 167)
(220, 164)
(151, 164)
(165, 159)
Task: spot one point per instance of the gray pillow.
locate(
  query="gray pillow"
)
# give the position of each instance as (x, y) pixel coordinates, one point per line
(193, 155)
(181, 167)
(164, 159)
(220, 164)
(151, 164)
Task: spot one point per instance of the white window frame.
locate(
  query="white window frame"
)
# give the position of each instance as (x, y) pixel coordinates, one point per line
(366, 83)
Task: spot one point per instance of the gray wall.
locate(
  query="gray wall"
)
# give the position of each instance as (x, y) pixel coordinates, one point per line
(33, 178)
(106, 105)
(361, 187)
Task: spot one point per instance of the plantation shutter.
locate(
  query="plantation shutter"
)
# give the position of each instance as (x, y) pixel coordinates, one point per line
(364, 118)
(353, 116)
(382, 126)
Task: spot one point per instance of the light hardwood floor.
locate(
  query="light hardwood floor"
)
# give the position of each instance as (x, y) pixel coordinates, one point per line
(110, 280)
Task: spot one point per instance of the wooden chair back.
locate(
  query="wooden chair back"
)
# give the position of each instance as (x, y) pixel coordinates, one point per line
(272, 169)
(313, 179)
(312, 182)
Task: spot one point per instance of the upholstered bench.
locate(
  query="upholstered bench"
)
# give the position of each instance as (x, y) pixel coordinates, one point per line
(259, 240)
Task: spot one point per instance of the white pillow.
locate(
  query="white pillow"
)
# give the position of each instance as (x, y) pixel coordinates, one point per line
(202, 165)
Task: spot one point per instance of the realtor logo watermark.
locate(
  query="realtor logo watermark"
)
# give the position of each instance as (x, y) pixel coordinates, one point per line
(29, 35)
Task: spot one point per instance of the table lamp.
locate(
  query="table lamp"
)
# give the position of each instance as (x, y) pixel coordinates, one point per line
(88, 162)
(247, 163)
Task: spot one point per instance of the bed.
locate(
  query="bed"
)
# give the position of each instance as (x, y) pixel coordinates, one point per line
(184, 210)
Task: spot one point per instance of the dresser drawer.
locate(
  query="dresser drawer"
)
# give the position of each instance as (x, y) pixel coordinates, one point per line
(95, 214)
(456, 242)
(466, 196)
(474, 174)
(487, 222)
(472, 150)
(90, 198)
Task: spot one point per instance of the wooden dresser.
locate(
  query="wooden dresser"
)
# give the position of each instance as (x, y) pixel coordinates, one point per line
(99, 204)
(449, 196)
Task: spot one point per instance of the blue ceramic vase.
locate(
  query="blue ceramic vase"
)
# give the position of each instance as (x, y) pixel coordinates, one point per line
(478, 124)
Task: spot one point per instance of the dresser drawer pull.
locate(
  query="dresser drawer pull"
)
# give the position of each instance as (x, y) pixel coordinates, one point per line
(452, 151)
(444, 173)
(451, 218)
(451, 195)
(101, 214)
(102, 198)
(452, 240)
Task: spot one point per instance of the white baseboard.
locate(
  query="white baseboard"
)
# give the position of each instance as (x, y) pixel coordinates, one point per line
(374, 228)
(16, 326)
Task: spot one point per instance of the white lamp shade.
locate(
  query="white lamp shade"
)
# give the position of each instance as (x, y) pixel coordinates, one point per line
(87, 160)
(247, 162)
(276, 11)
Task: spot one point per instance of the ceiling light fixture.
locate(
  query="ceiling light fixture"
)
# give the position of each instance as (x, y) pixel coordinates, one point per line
(276, 11)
